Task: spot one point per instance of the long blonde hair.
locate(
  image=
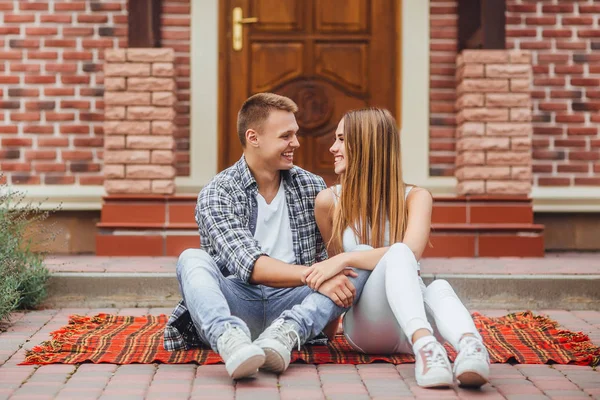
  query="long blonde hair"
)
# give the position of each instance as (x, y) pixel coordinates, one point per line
(372, 186)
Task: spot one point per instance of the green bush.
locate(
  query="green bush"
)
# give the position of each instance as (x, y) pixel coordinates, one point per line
(22, 271)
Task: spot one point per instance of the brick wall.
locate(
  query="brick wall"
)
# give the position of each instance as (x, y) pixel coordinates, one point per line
(175, 34)
(564, 37)
(52, 86)
(442, 87)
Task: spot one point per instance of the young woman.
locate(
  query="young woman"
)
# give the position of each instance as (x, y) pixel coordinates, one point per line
(374, 221)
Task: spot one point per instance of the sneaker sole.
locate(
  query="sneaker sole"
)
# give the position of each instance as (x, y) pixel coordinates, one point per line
(275, 360)
(471, 379)
(441, 382)
(247, 368)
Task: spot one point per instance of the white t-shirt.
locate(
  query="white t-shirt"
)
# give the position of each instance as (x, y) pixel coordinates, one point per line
(273, 230)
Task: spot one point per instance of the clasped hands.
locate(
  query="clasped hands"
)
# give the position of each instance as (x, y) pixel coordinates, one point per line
(330, 278)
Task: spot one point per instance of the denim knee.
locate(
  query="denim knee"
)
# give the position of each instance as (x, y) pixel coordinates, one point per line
(193, 258)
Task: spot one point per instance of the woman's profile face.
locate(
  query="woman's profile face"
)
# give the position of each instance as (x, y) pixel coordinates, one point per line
(338, 150)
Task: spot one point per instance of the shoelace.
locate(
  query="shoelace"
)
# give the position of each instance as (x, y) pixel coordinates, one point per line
(435, 356)
(472, 347)
(286, 332)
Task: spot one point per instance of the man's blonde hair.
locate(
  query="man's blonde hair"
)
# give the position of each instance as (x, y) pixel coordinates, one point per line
(256, 109)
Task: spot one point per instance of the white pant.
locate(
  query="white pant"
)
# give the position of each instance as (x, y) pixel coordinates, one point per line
(392, 307)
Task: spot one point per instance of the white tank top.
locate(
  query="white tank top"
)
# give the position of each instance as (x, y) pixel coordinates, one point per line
(349, 239)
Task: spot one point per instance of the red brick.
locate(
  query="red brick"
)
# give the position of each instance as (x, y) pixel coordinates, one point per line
(49, 167)
(588, 33)
(568, 69)
(53, 142)
(14, 166)
(23, 67)
(75, 79)
(93, 19)
(46, 31)
(589, 9)
(24, 43)
(60, 42)
(74, 6)
(587, 181)
(585, 82)
(521, 8)
(577, 20)
(36, 6)
(79, 104)
(55, 117)
(66, 68)
(19, 18)
(9, 79)
(567, 45)
(584, 155)
(25, 116)
(40, 105)
(570, 118)
(78, 55)
(573, 168)
(77, 155)
(91, 180)
(40, 79)
(43, 55)
(24, 179)
(11, 55)
(59, 180)
(570, 142)
(59, 91)
(557, 33)
(53, 18)
(557, 8)
(75, 129)
(47, 130)
(537, 45)
(40, 155)
(77, 32)
(11, 142)
(553, 181)
(547, 20)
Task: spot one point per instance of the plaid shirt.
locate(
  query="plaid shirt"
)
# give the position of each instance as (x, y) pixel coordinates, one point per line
(226, 214)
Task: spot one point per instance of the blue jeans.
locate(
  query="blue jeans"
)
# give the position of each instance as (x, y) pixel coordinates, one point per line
(213, 300)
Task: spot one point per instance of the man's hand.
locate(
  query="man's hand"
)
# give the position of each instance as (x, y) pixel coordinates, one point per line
(321, 272)
(339, 288)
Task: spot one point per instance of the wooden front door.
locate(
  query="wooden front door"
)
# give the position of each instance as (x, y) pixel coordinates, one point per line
(329, 56)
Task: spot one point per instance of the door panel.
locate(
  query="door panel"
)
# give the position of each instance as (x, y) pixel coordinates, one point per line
(329, 56)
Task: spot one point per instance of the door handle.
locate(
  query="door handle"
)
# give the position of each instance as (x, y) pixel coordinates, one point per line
(238, 22)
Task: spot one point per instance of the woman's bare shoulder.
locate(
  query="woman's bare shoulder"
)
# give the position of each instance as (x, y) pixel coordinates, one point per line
(419, 194)
(325, 199)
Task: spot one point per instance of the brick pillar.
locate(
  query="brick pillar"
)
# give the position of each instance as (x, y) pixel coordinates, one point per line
(139, 102)
(494, 129)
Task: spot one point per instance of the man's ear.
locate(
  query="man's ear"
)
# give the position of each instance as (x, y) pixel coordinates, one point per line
(252, 138)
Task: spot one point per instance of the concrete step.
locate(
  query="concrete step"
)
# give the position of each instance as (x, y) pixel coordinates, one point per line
(478, 291)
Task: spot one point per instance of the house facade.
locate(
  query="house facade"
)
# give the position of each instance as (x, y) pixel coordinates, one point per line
(123, 137)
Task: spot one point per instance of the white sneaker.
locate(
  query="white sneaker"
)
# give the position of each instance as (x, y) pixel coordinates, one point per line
(472, 364)
(432, 367)
(277, 341)
(242, 358)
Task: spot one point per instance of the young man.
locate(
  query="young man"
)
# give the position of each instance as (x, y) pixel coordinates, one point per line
(257, 226)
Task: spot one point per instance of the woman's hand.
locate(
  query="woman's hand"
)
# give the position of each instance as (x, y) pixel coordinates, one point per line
(321, 272)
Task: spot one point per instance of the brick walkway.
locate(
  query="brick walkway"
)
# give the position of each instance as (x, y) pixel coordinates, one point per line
(376, 381)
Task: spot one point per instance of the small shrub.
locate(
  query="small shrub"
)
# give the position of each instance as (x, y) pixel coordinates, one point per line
(22, 271)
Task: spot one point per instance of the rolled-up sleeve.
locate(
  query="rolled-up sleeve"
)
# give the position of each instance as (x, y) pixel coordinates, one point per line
(228, 235)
